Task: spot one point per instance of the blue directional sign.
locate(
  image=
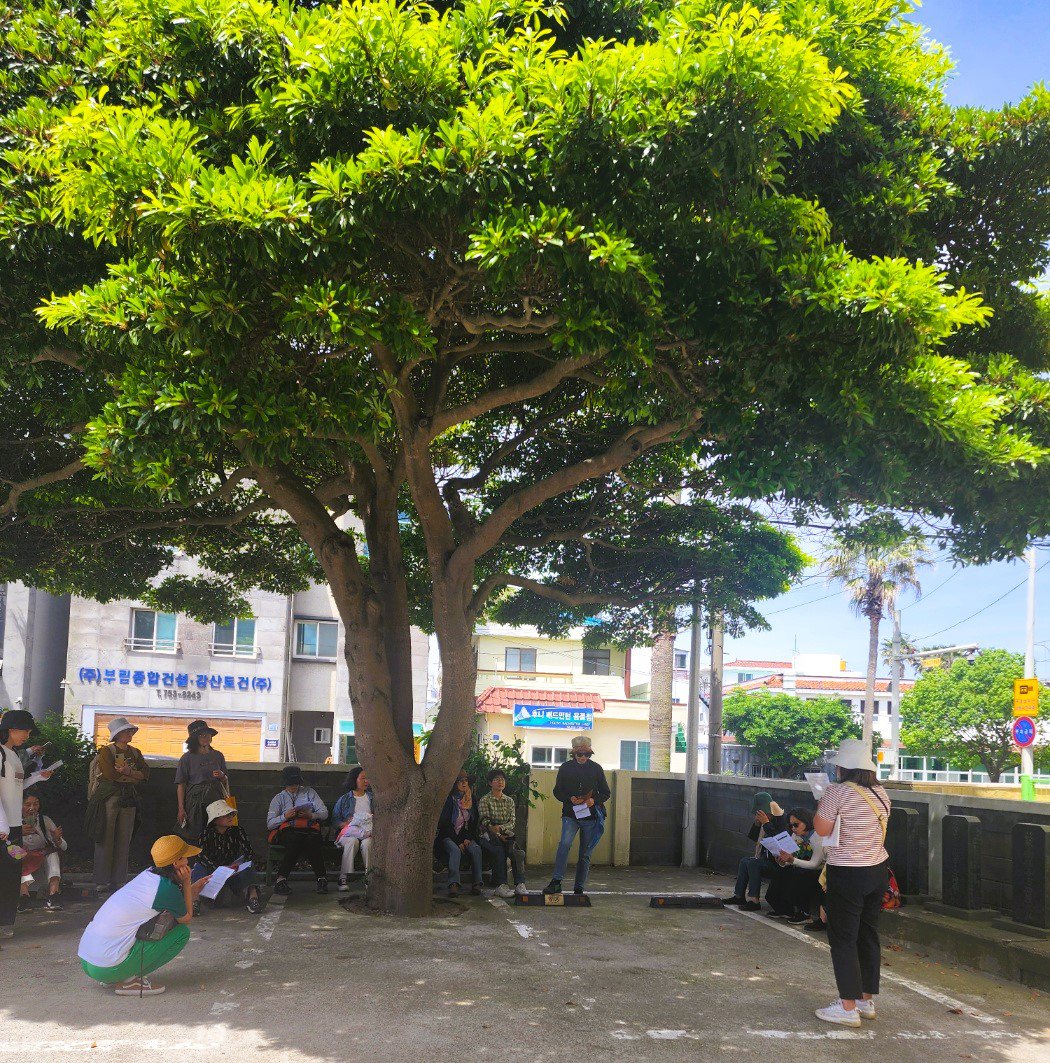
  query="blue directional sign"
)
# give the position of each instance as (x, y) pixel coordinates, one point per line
(558, 717)
(1024, 730)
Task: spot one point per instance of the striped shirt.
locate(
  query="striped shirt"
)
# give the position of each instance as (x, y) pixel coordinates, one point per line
(861, 832)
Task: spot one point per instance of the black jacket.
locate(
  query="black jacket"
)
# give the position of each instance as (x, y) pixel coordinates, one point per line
(776, 825)
(578, 780)
(446, 829)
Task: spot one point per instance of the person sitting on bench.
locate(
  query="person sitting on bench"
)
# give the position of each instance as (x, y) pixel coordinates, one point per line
(294, 822)
(496, 814)
(352, 819)
(769, 821)
(224, 845)
(457, 834)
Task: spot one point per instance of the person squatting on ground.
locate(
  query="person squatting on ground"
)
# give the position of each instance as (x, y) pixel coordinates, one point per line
(43, 842)
(580, 784)
(352, 820)
(16, 725)
(115, 950)
(113, 804)
(794, 890)
(294, 822)
(457, 833)
(200, 778)
(857, 879)
(769, 820)
(224, 845)
(497, 817)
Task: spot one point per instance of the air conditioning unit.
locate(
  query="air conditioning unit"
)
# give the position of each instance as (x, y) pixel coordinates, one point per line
(323, 736)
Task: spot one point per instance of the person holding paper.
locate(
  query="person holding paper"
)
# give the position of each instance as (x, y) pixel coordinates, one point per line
(16, 725)
(857, 879)
(224, 845)
(352, 819)
(457, 833)
(43, 842)
(113, 806)
(769, 821)
(294, 821)
(582, 788)
(794, 888)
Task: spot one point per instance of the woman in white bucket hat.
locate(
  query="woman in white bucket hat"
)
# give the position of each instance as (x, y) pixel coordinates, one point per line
(857, 878)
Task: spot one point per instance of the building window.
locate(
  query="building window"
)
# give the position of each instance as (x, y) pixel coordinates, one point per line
(235, 638)
(634, 756)
(316, 638)
(153, 631)
(347, 749)
(549, 756)
(596, 662)
(745, 677)
(323, 736)
(681, 659)
(519, 660)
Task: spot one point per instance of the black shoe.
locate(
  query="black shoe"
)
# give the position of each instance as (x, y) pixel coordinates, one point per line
(816, 924)
(732, 902)
(475, 890)
(322, 885)
(254, 904)
(798, 917)
(751, 906)
(578, 890)
(25, 904)
(282, 888)
(554, 886)
(53, 904)
(775, 915)
(453, 889)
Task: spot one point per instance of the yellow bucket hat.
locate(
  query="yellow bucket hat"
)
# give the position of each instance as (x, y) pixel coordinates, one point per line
(168, 849)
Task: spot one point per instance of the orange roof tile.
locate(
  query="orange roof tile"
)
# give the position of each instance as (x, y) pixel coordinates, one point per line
(503, 699)
(803, 683)
(756, 664)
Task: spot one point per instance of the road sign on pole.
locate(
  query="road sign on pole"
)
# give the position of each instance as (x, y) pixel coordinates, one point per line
(1024, 731)
(1026, 697)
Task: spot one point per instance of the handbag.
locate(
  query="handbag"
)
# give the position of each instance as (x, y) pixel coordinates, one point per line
(230, 800)
(154, 929)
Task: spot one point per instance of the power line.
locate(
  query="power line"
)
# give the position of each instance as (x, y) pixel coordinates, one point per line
(923, 638)
(801, 605)
(927, 597)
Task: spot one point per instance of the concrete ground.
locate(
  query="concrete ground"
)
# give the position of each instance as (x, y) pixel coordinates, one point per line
(310, 981)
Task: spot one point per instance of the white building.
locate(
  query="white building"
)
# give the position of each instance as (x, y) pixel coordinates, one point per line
(274, 684)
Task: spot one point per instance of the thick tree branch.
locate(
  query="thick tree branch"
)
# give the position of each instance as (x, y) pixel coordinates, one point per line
(506, 579)
(43, 480)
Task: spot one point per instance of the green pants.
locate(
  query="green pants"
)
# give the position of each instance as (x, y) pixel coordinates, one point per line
(145, 956)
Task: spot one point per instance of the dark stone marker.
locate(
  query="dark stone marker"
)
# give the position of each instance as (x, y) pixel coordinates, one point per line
(960, 856)
(1031, 874)
(902, 843)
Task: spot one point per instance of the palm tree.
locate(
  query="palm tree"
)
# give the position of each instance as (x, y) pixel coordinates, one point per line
(874, 576)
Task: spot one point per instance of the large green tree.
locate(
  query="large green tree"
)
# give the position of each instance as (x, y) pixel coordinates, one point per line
(280, 282)
(964, 713)
(785, 731)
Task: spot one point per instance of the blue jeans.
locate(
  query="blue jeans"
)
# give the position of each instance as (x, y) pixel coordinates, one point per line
(453, 855)
(590, 831)
(501, 852)
(749, 877)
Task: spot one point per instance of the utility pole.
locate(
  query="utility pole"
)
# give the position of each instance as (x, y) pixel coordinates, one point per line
(896, 668)
(1027, 760)
(714, 727)
(690, 817)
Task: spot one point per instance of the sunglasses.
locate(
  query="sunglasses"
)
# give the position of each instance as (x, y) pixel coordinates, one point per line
(795, 823)
(584, 753)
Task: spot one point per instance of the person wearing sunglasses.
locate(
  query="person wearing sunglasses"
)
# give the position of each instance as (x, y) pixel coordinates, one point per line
(795, 890)
(581, 784)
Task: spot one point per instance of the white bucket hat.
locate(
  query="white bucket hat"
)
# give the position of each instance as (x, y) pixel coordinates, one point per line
(581, 744)
(854, 753)
(121, 723)
(219, 808)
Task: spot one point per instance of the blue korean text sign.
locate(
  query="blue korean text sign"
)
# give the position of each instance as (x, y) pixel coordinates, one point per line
(1024, 731)
(557, 717)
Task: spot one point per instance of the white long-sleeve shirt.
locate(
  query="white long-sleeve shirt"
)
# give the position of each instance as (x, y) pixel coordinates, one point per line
(816, 861)
(11, 780)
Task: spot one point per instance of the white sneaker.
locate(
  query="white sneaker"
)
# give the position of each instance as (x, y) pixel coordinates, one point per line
(521, 889)
(866, 1009)
(134, 987)
(836, 1013)
(504, 891)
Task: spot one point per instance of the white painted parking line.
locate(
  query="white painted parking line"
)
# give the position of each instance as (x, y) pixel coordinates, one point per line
(887, 976)
(523, 930)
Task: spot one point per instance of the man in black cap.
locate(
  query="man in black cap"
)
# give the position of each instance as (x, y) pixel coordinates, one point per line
(16, 725)
(294, 821)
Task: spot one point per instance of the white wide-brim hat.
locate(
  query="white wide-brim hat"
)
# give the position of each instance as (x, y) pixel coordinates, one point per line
(219, 808)
(854, 753)
(120, 724)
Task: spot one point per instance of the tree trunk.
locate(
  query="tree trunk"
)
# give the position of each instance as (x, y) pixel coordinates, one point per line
(402, 880)
(873, 667)
(661, 683)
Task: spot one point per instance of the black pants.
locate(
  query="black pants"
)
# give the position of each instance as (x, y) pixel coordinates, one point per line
(10, 879)
(300, 845)
(854, 900)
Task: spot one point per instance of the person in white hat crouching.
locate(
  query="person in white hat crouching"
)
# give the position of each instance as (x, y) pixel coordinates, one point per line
(857, 879)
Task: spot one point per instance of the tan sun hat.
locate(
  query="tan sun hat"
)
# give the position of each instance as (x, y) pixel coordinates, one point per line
(854, 753)
(169, 848)
(219, 808)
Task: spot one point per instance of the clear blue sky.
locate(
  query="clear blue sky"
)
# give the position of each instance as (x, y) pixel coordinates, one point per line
(1000, 48)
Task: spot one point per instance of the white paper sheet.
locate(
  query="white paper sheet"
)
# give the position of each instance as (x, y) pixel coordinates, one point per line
(787, 843)
(39, 775)
(832, 840)
(220, 876)
(581, 811)
(818, 782)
